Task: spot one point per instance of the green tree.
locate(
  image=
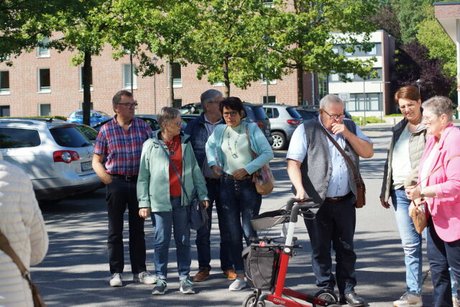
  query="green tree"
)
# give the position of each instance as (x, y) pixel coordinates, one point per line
(229, 41)
(80, 27)
(410, 13)
(440, 46)
(22, 25)
(304, 37)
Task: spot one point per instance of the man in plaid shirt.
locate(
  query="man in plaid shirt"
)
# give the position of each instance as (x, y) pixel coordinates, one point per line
(116, 161)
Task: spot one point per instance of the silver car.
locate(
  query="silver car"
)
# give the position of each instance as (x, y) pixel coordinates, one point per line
(283, 121)
(56, 156)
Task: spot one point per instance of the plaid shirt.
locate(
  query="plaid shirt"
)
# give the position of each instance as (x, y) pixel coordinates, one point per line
(121, 148)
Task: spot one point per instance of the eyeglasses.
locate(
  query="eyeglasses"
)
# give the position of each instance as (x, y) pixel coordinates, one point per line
(334, 116)
(231, 113)
(129, 104)
(176, 123)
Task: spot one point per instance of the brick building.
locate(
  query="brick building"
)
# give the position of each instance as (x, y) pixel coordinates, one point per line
(44, 82)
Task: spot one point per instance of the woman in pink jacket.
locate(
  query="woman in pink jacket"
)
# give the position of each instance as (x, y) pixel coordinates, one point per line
(439, 186)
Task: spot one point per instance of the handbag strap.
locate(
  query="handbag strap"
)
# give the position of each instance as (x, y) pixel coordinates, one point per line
(176, 171)
(7, 249)
(347, 158)
(436, 168)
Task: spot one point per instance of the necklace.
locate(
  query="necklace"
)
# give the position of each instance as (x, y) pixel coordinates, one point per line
(233, 152)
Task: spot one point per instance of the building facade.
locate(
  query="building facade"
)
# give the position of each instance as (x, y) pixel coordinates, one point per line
(45, 83)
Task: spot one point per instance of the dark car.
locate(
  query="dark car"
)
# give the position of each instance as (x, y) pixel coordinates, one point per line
(150, 119)
(253, 113)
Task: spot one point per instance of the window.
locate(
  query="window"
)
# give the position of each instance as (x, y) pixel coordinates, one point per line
(90, 78)
(4, 110)
(129, 77)
(271, 99)
(177, 103)
(17, 138)
(369, 102)
(44, 80)
(4, 82)
(176, 74)
(45, 109)
(272, 112)
(268, 3)
(42, 50)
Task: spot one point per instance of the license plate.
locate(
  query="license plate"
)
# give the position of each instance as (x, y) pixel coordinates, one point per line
(86, 166)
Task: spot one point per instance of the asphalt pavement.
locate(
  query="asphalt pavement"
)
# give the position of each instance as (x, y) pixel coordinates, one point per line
(75, 271)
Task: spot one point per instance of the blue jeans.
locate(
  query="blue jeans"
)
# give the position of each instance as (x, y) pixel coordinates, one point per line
(240, 203)
(203, 242)
(334, 228)
(179, 218)
(411, 241)
(442, 255)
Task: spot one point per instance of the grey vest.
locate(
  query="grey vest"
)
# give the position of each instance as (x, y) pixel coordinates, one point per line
(316, 168)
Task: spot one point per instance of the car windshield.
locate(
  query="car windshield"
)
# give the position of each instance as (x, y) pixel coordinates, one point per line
(68, 136)
(293, 112)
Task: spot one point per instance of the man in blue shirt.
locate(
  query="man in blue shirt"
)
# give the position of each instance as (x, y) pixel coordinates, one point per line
(319, 171)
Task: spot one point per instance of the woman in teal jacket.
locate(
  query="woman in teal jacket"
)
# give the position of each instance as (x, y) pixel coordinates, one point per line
(235, 151)
(166, 160)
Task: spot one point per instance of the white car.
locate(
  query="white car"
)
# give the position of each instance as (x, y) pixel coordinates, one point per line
(55, 154)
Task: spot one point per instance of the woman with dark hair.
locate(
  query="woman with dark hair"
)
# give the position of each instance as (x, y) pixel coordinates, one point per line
(401, 171)
(235, 151)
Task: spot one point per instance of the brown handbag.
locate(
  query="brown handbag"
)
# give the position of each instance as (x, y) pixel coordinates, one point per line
(360, 186)
(7, 249)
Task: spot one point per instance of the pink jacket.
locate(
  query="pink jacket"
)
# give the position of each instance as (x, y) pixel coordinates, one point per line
(445, 207)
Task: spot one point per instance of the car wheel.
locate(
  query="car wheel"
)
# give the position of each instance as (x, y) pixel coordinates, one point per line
(279, 140)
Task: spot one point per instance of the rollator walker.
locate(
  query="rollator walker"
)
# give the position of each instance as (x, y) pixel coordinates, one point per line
(266, 261)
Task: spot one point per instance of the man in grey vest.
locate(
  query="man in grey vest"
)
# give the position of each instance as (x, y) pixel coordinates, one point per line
(318, 170)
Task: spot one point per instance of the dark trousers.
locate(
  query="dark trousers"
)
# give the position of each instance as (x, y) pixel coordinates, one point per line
(203, 235)
(441, 256)
(121, 194)
(240, 203)
(334, 226)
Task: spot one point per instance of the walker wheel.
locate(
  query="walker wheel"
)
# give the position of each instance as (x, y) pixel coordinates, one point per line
(252, 301)
(328, 296)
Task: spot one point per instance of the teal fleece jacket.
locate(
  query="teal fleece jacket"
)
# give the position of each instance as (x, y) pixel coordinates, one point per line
(153, 180)
(259, 145)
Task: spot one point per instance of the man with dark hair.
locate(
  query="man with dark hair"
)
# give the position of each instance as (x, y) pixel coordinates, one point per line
(116, 159)
(199, 130)
(318, 170)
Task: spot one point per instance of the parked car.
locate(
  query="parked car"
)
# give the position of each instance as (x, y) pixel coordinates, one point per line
(253, 112)
(55, 154)
(283, 120)
(151, 119)
(307, 114)
(95, 117)
(89, 132)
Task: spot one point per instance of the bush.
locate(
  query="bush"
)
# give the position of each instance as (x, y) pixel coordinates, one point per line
(359, 120)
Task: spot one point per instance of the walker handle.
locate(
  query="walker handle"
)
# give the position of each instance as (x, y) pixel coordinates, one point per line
(295, 205)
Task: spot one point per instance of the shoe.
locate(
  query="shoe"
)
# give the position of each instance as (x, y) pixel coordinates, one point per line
(455, 301)
(352, 299)
(145, 277)
(409, 299)
(116, 280)
(230, 274)
(237, 285)
(202, 275)
(160, 287)
(186, 286)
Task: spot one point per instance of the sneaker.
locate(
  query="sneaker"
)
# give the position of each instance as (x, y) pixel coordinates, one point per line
(230, 274)
(186, 286)
(160, 287)
(145, 277)
(237, 285)
(202, 275)
(116, 280)
(409, 299)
